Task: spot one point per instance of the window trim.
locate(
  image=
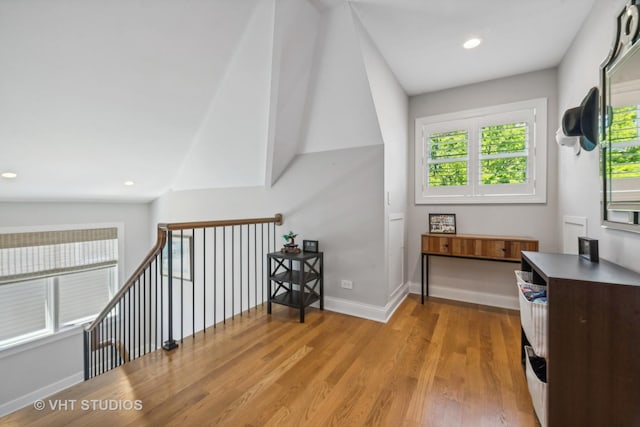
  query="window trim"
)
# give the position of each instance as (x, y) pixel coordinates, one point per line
(538, 153)
(51, 334)
(52, 316)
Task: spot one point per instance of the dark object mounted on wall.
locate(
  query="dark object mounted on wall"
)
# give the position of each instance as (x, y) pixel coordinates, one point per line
(588, 249)
(582, 121)
(310, 246)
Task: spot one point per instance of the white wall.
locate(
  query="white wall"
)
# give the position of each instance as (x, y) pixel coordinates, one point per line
(334, 197)
(579, 185)
(392, 111)
(483, 281)
(229, 148)
(340, 112)
(38, 369)
(295, 33)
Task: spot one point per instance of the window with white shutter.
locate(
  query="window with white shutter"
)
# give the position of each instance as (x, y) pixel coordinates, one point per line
(489, 155)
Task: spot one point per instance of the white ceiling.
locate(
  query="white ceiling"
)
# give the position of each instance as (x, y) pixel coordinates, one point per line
(422, 39)
(94, 93)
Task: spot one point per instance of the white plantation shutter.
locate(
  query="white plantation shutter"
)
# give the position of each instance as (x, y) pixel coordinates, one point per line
(494, 154)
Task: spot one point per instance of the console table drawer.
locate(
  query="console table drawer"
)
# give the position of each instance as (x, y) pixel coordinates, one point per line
(491, 248)
(436, 244)
(472, 246)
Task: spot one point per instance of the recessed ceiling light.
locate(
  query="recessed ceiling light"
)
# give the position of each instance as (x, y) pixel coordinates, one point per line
(9, 175)
(471, 43)
(129, 183)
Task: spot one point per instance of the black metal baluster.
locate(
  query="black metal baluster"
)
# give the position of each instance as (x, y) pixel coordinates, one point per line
(112, 341)
(102, 356)
(268, 245)
(162, 299)
(181, 285)
(119, 328)
(262, 260)
(132, 354)
(155, 308)
(240, 260)
(204, 280)
(139, 323)
(233, 270)
(93, 352)
(193, 284)
(224, 275)
(255, 263)
(149, 327)
(248, 279)
(121, 320)
(215, 274)
(85, 355)
(144, 311)
(170, 343)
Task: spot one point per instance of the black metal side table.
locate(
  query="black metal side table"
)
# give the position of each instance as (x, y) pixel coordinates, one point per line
(295, 280)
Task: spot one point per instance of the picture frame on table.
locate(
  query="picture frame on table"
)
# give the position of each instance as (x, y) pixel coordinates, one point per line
(310, 246)
(442, 223)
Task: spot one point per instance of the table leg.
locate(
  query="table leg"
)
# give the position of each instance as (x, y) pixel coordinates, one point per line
(422, 277)
(426, 274)
(269, 287)
(321, 283)
(302, 285)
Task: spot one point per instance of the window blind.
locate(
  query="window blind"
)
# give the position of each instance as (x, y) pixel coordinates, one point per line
(83, 294)
(23, 309)
(25, 256)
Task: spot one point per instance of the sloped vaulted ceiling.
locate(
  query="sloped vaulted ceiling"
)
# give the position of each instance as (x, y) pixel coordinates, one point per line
(175, 94)
(94, 93)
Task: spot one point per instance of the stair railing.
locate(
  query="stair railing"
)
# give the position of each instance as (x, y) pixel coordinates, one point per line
(218, 265)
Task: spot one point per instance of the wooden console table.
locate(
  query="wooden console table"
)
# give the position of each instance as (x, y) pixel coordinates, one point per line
(491, 248)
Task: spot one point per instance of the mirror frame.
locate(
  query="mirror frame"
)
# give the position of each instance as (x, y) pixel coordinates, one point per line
(626, 36)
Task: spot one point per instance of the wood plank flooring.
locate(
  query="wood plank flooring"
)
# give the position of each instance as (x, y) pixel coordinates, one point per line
(441, 364)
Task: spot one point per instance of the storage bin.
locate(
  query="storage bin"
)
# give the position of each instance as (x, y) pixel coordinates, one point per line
(533, 315)
(537, 389)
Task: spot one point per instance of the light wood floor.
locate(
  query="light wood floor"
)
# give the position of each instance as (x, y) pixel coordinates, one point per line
(441, 364)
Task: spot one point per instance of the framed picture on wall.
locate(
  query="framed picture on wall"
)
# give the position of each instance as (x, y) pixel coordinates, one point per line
(442, 223)
(182, 266)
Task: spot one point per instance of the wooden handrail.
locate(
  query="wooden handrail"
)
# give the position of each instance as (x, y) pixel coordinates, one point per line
(163, 230)
(276, 219)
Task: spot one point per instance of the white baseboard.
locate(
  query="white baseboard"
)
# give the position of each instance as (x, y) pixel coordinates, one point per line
(464, 295)
(368, 311)
(41, 393)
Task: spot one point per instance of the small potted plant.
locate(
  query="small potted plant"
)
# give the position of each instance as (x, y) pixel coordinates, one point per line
(290, 247)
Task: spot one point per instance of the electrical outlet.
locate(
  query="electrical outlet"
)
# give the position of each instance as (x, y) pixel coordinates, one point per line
(347, 284)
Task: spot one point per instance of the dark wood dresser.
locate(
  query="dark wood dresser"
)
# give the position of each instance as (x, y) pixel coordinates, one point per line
(593, 362)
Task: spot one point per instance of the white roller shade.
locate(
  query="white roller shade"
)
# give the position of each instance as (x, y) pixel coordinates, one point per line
(84, 294)
(23, 308)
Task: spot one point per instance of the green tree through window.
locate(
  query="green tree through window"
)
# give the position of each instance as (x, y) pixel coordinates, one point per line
(503, 154)
(448, 154)
(624, 156)
(492, 154)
